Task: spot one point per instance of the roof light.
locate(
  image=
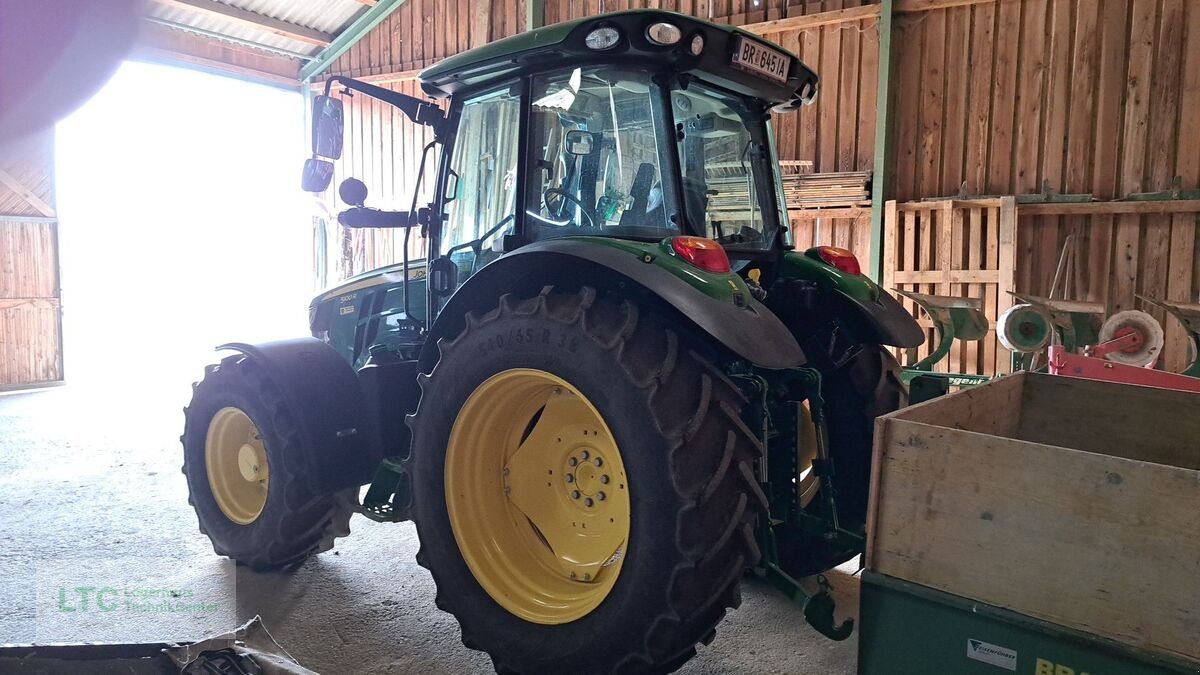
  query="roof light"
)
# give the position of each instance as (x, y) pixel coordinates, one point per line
(663, 33)
(703, 253)
(605, 37)
(840, 258)
(697, 45)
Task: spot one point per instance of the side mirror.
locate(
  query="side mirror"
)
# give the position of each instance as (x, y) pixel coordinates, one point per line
(317, 175)
(353, 192)
(327, 127)
(579, 142)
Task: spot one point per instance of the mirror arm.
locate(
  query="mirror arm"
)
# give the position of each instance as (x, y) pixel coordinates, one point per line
(420, 112)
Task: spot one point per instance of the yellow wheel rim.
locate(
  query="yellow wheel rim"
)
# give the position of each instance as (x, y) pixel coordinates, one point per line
(807, 484)
(537, 496)
(236, 461)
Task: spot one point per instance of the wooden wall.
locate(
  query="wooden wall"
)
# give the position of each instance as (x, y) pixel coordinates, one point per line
(1093, 96)
(992, 97)
(30, 331)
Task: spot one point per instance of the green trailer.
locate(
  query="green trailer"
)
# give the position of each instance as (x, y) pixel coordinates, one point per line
(1038, 525)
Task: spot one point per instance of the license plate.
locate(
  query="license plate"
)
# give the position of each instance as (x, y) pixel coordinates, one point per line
(760, 59)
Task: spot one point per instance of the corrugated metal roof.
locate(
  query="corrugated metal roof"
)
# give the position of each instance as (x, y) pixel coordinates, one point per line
(326, 16)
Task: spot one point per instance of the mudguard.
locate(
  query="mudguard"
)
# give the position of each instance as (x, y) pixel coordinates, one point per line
(872, 312)
(323, 393)
(745, 327)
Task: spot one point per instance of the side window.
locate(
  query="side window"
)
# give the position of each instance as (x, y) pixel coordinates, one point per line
(483, 183)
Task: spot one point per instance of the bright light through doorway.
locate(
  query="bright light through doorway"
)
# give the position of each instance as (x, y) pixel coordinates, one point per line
(182, 224)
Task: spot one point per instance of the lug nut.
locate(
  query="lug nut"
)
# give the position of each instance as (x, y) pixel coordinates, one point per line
(599, 462)
(575, 494)
(570, 478)
(572, 461)
(587, 577)
(604, 479)
(601, 496)
(584, 454)
(588, 502)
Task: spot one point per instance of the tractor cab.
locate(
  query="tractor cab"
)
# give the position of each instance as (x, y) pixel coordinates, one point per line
(642, 125)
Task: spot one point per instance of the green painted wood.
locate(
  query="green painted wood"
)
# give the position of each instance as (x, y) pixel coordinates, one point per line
(909, 629)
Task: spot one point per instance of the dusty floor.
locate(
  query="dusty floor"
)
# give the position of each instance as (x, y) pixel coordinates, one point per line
(92, 501)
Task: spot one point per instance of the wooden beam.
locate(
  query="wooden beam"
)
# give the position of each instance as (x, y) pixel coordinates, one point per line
(254, 20)
(1110, 208)
(158, 54)
(25, 193)
(906, 6)
(814, 20)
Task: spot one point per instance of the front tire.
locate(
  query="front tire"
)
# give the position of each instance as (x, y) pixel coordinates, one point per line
(668, 425)
(245, 475)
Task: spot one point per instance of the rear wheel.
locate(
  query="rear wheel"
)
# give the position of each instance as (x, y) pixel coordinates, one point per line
(864, 388)
(589, 507)
(241, 457)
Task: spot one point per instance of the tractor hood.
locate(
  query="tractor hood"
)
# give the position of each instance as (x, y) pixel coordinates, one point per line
(722, 57)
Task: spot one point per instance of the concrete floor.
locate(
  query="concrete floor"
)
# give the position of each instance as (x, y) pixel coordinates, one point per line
(91, 497)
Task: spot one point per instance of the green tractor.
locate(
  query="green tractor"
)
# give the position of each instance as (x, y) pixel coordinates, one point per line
(611, 390)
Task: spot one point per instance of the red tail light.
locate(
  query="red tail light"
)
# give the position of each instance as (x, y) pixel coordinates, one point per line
(840, 258)
(703, 253)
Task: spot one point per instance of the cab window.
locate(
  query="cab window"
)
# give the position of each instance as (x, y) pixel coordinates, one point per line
(482, 185)
(594, 156)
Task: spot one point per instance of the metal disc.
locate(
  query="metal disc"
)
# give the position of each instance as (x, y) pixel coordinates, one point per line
(1138, 321)
(1024, 329)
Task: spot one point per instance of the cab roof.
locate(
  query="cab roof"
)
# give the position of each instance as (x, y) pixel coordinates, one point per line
(562, 46)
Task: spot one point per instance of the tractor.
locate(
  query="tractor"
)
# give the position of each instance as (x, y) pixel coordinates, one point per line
(610, 390)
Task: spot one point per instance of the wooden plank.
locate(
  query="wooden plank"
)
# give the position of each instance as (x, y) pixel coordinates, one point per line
(252, 20)
(1022, 525)
(946, 277)
(827, 102)
(912, 6)
(979, 108)
(958, 52)
(1006, 262)
(993, 356)
(30, 197)
(849, 86)
(933, 83)
(891, 225)
(817, 20)
(867, 99)
(1112, 208)
(974, 262)
(1003, 137)
(911, 35)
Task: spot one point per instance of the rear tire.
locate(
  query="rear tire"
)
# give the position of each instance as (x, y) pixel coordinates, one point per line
(864, 388)
(689, 462)
(294, 523)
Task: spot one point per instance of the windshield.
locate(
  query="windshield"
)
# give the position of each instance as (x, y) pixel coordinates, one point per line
(595, 156)
(725, 169)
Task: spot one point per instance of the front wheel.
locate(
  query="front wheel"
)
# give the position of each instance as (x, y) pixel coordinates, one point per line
(246, 479)
(584, 489)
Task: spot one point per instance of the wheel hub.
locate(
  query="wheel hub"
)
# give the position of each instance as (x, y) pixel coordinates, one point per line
(548, 540)
(236, 462)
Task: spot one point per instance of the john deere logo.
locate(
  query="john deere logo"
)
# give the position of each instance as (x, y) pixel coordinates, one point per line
(994, 655)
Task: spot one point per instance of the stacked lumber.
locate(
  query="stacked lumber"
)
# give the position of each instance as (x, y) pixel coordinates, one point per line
(802, 190)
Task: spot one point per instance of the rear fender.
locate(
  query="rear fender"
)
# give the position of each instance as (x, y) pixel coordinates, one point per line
(745, 326)
(323, 394)
(873, 313)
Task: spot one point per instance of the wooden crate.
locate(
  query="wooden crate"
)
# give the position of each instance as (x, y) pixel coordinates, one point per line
(1068, 500)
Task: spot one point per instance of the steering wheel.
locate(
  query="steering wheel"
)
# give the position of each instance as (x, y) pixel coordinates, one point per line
(568, 197)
